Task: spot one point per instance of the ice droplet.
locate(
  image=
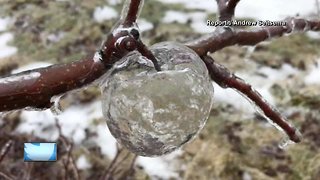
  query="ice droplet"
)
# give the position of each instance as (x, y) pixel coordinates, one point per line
(285, 142)
(153, 113)
(56, 107)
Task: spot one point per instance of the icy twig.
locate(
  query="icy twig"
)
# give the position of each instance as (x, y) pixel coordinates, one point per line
(69, 159)
(225, 79)
(6, 176)
(143, 49)
(131, 11)
(107, 173)
(5, 149)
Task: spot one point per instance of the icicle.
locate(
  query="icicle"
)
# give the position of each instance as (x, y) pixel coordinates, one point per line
(285, 142)
(56, 107)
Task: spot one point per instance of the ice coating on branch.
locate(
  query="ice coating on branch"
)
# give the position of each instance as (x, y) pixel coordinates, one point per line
(126, 7)
(33, 76)
(153, 113)
(56, 107)
(285, 141)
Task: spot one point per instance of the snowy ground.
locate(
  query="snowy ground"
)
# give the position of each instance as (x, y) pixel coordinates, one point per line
(5, 37)
(76, 119)
(259, 9)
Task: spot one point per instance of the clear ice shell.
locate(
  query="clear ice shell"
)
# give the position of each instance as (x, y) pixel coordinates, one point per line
(153, 113)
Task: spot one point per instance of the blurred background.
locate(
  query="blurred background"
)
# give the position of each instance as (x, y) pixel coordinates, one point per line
(236, 143)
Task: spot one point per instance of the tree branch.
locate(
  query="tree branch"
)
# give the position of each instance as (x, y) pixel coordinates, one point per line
(35, 88)
(131, 11)
(144, 51)
(226, 9)
(225, 79)
(227, 36)
(69, 158)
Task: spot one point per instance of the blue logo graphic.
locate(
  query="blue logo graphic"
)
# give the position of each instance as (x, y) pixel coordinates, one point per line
(40, 152)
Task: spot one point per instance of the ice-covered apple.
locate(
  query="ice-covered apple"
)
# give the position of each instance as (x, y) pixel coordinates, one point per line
(153, 113)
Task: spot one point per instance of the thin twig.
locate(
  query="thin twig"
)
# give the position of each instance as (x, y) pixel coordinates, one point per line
(132, 12)
(106, 174)
(73, 165)
(6, 176)
(5, 149)
(29, 170)
(130, 172)
(69, 159)
(225, 79)
(113, 170)
(143, 49)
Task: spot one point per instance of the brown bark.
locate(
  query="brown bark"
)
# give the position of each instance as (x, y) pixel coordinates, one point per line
(35, 88)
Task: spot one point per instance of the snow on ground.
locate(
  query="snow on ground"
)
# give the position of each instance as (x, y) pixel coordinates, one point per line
(198, 20)
(144, 25)
(163, 167)
(258, 9)
(274, 9)
(175, 16)
(207, 5)
(83, 163)
(104, 13)
(114, 2)
(6, 50)
(4, 22)
(314, 75)
(313, 35)
(5, 38)
(73, 121)
(106, 141)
